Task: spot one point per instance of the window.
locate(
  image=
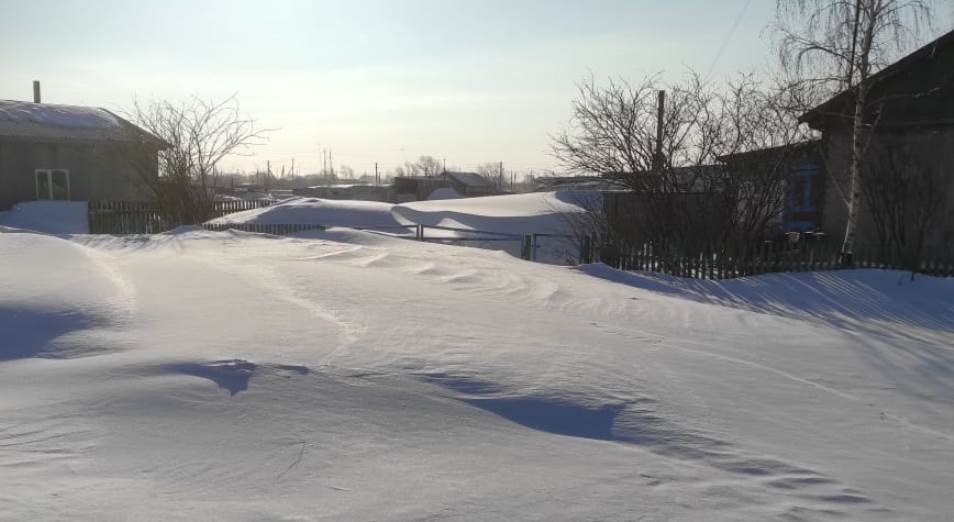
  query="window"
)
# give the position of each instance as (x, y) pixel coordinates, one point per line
(53, 184)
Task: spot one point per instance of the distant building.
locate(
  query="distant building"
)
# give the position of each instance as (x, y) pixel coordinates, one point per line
(576, 184)
(416, 188)
(471, 184)
(362, 192)
(69, 152)
(419, 188)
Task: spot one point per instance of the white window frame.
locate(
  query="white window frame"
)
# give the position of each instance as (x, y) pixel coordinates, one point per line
(49, 183)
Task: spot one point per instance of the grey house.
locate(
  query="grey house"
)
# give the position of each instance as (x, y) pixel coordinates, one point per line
(911, 108)
(68, 152)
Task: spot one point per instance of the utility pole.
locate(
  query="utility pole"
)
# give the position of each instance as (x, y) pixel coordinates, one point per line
(500, 177)
(377, 180)
(660, 116)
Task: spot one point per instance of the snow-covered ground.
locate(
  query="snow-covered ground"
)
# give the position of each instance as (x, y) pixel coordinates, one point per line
(351, 376)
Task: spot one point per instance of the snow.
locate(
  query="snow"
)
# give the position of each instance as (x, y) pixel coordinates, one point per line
(69, 116)
(467, 218)
(444, 193)
(52, 217)
(540, 212)
(514, 214)
(47, 120)
(351, 376)
(314, 211)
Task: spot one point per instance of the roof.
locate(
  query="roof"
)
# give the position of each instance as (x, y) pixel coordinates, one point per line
(804, 147)
(73, 122)
(910, 61)
(470, 179)
(576, 183)
(434, 179)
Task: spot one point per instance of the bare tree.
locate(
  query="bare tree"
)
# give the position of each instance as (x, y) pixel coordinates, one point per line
(699, 191)
(345, 172)
(424, 166)
(430, 166)
(491, 172)
(840, 44)
(905, 197)
(198, 134)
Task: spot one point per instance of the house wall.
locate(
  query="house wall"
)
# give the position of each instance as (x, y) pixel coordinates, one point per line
(96, 170)
(933, 146)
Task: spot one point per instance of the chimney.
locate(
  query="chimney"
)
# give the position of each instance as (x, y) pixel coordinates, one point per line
(36, 91)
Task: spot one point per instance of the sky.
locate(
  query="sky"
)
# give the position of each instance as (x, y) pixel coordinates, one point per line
(386, 81)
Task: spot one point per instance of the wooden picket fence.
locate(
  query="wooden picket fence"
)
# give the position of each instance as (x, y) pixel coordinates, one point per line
(717, 262)
(275, 229)
(145, 217)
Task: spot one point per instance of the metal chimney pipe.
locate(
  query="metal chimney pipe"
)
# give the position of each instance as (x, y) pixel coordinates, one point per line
(36, 91)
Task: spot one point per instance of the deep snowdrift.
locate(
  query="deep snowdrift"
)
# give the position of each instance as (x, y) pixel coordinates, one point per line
(234, 376)
(463, 220)
(51, 217)
(540, 212)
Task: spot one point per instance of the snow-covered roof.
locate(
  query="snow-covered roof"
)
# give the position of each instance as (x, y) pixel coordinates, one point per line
(470, 179)
(52, 121)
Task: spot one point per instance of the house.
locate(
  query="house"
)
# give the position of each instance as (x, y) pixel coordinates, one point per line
(416, 188)
(803, 168)
(471, 184)
(910, 108)
(419, 188)
(356, 191)
(69, 152)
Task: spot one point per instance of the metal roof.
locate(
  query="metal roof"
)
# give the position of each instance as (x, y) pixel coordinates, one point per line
(836, 105)
(73, 122)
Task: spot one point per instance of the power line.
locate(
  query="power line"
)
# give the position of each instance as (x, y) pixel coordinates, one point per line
(728, 37)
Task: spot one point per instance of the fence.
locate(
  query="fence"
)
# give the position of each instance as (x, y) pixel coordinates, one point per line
(144, 217)
(717, 262)
(527, 246)
(275, 229)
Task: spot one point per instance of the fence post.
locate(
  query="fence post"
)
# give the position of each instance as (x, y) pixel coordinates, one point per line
(526, 247)
(533, 247)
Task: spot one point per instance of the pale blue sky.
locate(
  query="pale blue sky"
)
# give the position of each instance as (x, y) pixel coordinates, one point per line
(374, 80)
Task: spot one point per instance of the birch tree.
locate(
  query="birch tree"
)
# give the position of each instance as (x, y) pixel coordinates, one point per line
(840, 44)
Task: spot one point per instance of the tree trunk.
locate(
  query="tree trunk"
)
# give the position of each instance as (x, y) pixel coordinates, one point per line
(857, 147)
(854, 173)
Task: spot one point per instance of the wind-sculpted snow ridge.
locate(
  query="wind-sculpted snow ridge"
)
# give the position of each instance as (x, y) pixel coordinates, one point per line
(345, 375)
(58, 299)
(640, 424)
(470, 218)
